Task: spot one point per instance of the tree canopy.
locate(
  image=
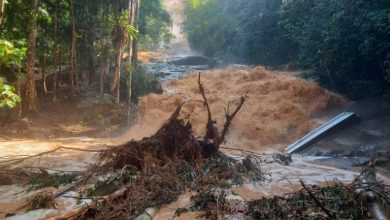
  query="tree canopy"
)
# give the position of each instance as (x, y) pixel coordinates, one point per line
(75, 35)
(344, 45)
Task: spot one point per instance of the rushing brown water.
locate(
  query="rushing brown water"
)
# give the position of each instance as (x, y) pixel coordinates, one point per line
(281, 107)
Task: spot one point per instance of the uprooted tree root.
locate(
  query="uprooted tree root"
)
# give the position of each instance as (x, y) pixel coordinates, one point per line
(174, 141)
(157, 169)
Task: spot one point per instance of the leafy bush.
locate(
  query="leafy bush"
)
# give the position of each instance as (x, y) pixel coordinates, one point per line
(154, 25)
(11, 58)
(11, 55)
(141, 83)
(8, 97)
(345, 43)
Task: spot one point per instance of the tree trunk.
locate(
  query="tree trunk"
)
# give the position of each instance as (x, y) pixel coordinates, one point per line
(91, 67)
(55, 77)
(56, 54)
(73, 62)
(133, 16)
(44, 87)
(1, 11)
(18, 90)
(74, 76)
(31, 96)
(104, 69)
(115, 86)
(135, 44)
(91, 56)
(130, 69)
(60, 83)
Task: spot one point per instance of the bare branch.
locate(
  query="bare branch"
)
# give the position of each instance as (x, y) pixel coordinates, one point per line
(327, 212)
(229, 118)
(211, 132)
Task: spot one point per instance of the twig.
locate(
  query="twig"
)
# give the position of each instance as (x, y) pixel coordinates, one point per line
(78, 197)
(316, 200)
(67, 189)
(229, 118)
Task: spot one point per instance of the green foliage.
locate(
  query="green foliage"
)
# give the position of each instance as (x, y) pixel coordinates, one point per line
(246, 31)
(142, 83)
(43, 179)
(344, 45)
(7, 96)
(131, 31)
(11, 55)
(344, 202)
(11, 58)
(209, 29)
(154, 25)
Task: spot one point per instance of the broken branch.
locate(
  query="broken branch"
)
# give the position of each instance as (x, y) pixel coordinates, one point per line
(230, 117)
(327, 212)
(211, 132)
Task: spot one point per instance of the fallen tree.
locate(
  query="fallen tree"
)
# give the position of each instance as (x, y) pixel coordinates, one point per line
(174, 141)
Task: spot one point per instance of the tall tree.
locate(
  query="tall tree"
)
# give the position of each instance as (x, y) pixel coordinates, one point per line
(105, 48)
(118, 43)
(133, 16)
(56, 52)
(31, 96)
(74, 76)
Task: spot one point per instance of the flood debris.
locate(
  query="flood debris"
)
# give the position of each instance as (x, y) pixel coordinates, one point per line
(284, 159)
(374, 193)
(174, 141)
(137, 175)
(364, 198)
(42, 200)
(43, 179)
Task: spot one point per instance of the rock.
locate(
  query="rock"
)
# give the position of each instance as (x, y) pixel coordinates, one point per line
(194, 61)
(106, 99)
(156, 87)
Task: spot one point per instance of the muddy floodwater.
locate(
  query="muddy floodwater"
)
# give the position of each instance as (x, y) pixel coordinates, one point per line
(281, 108)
